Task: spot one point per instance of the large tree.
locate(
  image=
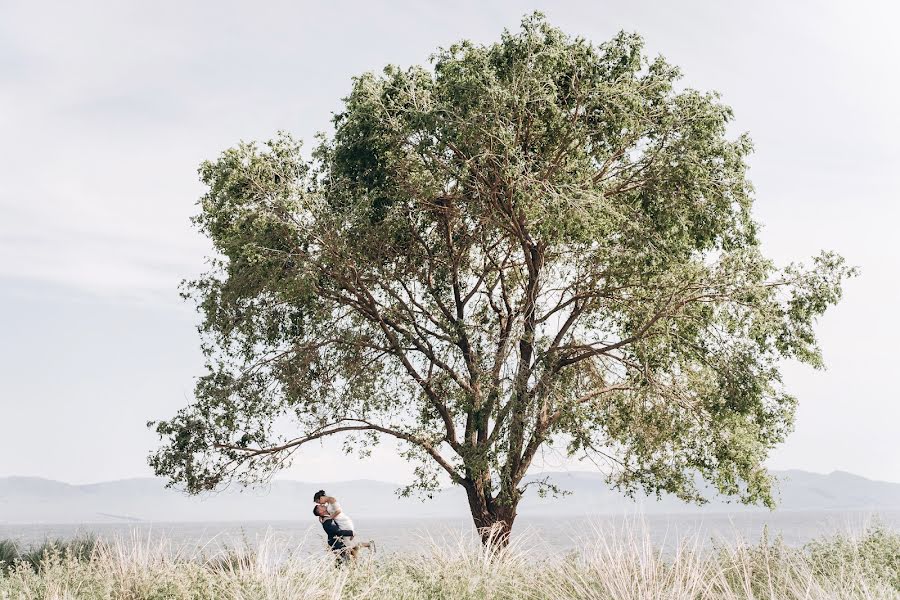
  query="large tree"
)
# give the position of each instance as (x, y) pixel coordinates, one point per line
(536, 242)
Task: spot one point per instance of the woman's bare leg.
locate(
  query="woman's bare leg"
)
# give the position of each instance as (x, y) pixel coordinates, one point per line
(354, 552)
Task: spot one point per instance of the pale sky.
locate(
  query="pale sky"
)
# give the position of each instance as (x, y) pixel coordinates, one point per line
(107, 108)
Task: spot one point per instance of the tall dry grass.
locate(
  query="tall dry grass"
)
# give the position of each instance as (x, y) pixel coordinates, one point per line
(607, 565)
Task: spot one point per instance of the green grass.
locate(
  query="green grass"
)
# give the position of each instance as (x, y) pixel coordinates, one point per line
(841, 567)
(12, 555)
(9, 554)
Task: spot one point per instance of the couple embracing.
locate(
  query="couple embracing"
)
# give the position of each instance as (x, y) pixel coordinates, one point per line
(338, 526)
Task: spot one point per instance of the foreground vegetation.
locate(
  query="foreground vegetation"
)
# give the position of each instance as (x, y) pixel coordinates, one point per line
(612, 567)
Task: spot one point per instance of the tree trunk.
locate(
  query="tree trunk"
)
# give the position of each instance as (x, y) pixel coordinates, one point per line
(492, 519)
(495, 531)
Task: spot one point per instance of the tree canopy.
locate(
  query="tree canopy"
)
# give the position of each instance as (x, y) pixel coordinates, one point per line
(535, 242)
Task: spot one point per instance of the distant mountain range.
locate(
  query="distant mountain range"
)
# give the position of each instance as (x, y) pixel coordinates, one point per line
(34, 500)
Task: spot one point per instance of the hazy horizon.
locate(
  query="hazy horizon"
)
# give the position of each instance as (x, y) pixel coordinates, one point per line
(289, 477)
(107, 109)
(28, 500)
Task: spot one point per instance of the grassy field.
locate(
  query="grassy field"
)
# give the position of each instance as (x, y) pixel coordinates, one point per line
(864, 566)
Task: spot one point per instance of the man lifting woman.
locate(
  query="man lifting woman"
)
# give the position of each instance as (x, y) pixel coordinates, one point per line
(338, 527)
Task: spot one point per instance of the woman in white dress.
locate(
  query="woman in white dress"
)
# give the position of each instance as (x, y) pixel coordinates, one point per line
(328, 508)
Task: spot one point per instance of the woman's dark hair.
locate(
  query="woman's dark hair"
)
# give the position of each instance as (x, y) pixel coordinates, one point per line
(318, 495)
